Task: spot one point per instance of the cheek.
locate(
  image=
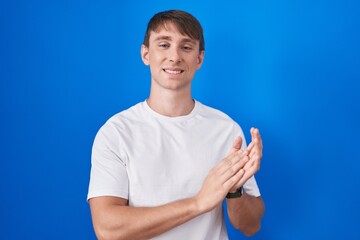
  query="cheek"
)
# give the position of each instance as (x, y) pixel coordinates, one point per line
(156, 55)
(195, 65)
(194, 62)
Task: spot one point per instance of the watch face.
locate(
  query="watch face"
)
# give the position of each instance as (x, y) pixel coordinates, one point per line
(236, 194)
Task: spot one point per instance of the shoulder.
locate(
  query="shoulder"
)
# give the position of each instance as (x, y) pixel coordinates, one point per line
(219, 118)
(130, 115)
(122, 121)
(213, 113)
(133, 113)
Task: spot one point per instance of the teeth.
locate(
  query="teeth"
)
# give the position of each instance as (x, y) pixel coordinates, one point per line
(172, 71)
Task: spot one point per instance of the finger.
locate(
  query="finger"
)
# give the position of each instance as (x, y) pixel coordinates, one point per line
(236, 145)
(243, 159)
(253, 149)
(231, 160)
(252, 153)
(255, 136)
(242, 177)
(256, 150)
(232, 164)
(235, 179)
(256, 144)
(249, 173)
(252, 166)
(256, 153)
(253, 132)
(250, 147)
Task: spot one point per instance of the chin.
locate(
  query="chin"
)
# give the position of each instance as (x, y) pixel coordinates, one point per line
(173, 84)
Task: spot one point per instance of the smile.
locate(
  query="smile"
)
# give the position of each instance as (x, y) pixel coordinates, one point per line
(173, 71)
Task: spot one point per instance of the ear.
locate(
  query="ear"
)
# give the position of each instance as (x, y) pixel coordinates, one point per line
(200, 59)
(145, 54)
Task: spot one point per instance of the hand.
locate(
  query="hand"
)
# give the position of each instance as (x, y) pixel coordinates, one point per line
(222, 178)
(255, 154)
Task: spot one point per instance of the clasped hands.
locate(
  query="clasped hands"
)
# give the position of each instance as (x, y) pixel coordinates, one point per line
(232, 172)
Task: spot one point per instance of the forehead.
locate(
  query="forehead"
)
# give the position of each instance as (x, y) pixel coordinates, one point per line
(169, 30)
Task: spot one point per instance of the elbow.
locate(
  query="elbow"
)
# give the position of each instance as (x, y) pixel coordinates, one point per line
(250, 231)
(103, 233)
(106, 224)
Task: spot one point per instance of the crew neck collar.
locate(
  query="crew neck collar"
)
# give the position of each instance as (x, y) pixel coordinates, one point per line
(172, 119)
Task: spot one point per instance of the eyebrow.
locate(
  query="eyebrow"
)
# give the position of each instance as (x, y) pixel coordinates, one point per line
(168, 38)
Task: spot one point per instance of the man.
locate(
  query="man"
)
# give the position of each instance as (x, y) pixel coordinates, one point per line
(162, 168)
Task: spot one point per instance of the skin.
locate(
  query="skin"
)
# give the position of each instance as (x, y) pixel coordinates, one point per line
(168, 50)
(245, 213)
(173, 59)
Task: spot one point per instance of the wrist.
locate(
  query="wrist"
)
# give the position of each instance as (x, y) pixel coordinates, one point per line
(197, 205)
(235, 194)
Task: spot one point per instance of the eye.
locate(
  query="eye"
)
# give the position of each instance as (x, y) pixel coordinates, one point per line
(163, 45)
(187, 48)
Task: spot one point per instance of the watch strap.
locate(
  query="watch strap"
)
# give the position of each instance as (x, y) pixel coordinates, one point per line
(236, 194)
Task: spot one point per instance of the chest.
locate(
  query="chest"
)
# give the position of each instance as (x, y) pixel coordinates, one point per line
(167, 163)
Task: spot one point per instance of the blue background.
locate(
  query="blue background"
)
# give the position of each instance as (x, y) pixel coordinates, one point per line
(290, 68)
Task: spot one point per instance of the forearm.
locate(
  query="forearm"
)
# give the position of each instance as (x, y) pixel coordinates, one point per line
(124, 222)
(113, 219)
(245, 213)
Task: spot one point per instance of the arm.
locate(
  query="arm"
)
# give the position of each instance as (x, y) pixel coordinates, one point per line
(114, 219)
(245, 213)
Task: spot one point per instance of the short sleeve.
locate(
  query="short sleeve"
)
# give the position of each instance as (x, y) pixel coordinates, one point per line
(250, 186)
(108, 168)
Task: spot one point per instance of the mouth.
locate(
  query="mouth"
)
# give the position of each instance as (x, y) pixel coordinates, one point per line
(173, 71)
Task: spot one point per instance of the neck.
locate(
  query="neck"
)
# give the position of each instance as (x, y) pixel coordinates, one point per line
(170, 103)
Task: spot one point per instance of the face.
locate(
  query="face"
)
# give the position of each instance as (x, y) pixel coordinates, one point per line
(173, 58)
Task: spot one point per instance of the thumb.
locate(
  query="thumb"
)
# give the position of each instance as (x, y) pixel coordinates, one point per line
(236, 145)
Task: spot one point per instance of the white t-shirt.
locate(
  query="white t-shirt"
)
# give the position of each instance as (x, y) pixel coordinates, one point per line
(151, 160)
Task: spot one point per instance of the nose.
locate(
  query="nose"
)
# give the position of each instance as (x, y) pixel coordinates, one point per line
(175, 55)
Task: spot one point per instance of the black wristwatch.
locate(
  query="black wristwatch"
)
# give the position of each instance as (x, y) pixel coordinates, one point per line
(236, 194)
